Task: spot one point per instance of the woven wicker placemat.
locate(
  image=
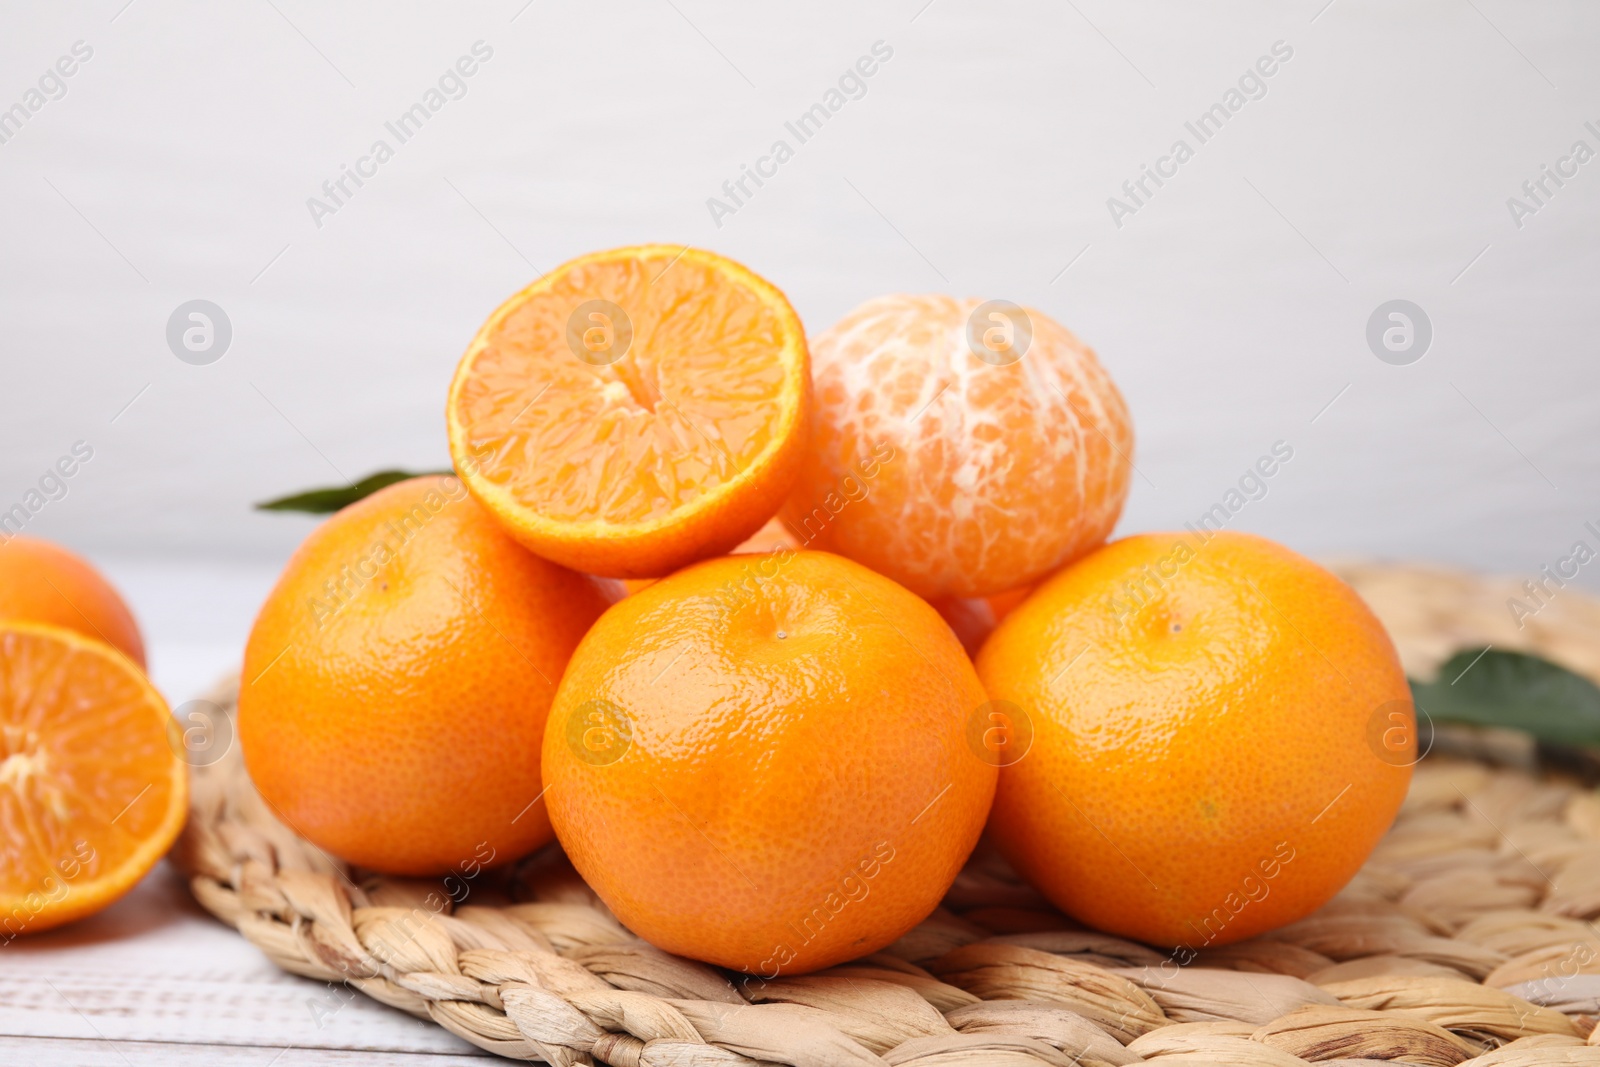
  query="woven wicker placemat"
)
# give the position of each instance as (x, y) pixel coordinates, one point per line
(1467, 938)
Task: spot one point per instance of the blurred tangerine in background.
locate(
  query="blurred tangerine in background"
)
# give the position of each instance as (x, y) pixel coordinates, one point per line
(43, 582)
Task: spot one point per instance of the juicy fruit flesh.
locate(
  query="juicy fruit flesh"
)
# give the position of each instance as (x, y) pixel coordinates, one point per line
(690, 405)
(87, 778)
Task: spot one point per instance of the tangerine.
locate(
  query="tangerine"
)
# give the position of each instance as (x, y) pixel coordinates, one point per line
(634, 410)
(43, 582)
(955, 460)
(1206, 719)
(91, 792)
(766, 766)
(397, 679)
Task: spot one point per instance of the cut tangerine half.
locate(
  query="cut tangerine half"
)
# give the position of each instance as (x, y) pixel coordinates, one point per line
(634, 410)
(91, 792)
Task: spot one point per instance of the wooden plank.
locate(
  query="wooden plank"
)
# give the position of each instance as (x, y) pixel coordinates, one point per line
(68, 1052)
(156, 968)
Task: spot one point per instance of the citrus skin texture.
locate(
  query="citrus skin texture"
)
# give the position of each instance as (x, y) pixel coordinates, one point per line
(634, 410)
(769, 772)
(397, 680)
(1208, 759)
(952, 474)
(91, 792)
(43, 582)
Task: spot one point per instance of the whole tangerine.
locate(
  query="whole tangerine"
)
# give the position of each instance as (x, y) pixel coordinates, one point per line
(397, 680)
(762, 761)
(43, 582)
(1211, 720)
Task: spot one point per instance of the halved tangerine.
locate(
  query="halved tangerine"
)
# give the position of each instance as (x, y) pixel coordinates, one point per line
(634, 410)
(91, 792)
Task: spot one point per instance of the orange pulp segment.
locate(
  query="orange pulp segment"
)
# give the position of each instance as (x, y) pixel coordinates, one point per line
(91, 792)
(634, 410)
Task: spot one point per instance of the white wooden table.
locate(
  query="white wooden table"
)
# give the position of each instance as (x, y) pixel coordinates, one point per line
(156, 981)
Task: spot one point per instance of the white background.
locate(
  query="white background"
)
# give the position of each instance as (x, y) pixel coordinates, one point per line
(1231, 308)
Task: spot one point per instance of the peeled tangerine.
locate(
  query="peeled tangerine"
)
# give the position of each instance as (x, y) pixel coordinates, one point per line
(1221, 732)
(962, 448)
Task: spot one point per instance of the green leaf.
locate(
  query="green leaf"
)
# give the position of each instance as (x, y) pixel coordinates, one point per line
(327, 501)
(1486, 687)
